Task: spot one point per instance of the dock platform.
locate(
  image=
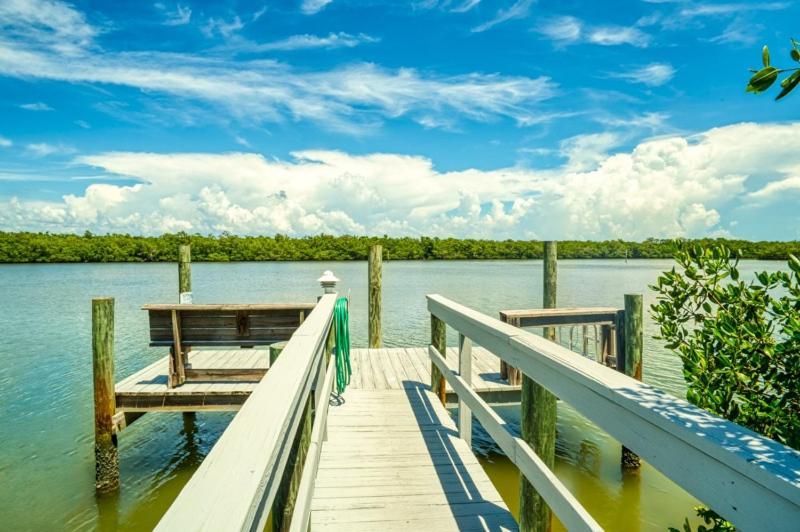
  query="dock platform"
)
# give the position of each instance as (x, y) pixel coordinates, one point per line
(373, 369)
(394, 461)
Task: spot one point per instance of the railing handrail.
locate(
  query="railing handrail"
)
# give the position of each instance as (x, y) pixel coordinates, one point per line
(234, 487)
(749, 479)
(557, 496)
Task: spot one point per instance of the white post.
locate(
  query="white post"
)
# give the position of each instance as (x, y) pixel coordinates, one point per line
(465, 371)
(328, 282)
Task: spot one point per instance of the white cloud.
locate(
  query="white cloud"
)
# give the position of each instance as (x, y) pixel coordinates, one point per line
(616, 35)
(83, 124)
(675, 186)
(37, 106)
(48, 23)
(180, 17)
(466, 6)
(5, 143)
(518, 9)
(561, 30)
(225, 28)
(776, 190)
(739, 31)
(705, 9)
(653, 75)
(353, 98)
(304, 42)
(44, 149)
(312, 7)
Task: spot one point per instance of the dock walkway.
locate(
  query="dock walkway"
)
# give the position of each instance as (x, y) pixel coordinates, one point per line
(393, 460)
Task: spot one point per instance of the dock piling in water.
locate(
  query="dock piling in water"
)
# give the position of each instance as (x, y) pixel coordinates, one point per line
(375, 267)
(105, 441)
(185, 274)
(538, 417)
(631, 357)
(439, 341)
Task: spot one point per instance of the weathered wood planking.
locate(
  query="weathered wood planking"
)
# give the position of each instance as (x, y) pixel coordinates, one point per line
(218, 325)
(560, 317)
(399, 368)
(147, 390)
(393, 460)
(735, 471)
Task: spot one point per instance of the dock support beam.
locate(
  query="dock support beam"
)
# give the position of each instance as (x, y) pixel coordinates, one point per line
(538, 419)
(633, 346)
(106, 458)
(375, 267)
(439, 341)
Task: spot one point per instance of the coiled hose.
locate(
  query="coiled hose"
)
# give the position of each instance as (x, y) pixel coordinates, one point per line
(341, 349)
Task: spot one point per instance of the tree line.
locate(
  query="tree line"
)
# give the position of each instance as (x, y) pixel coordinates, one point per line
(27, 247)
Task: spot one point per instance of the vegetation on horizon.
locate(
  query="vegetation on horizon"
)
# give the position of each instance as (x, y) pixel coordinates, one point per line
(25, 247)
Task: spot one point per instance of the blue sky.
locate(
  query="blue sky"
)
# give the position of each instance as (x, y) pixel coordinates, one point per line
(472, 118)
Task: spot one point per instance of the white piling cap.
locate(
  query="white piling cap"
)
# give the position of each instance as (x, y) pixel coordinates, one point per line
(328, 277)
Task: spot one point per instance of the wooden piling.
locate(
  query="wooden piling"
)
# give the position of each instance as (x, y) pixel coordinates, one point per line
(105, 440)
(439, 341)
(538, 419)
(184, 274)
(633, 346)
(275, 350)
(375, 267)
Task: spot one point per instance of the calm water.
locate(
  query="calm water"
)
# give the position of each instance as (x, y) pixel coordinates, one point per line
(46, 434)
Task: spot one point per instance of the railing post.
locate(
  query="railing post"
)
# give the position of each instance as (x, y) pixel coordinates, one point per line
(538, 419)
(375, 267)
(631, 355)
(439, 341)
(105, 441)
(465, 371)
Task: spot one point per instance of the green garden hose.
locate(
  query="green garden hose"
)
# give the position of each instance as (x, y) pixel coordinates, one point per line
(341, 350)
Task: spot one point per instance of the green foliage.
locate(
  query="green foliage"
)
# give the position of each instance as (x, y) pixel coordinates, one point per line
(718, 524)
(47, 247)
(764, 78)
(739, 340)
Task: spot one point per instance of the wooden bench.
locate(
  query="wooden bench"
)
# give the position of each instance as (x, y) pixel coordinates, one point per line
(182, 326)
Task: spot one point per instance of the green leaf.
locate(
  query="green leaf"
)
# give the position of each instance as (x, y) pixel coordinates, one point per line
(794, 264)
(789, 84)
(762, 80)
(765, 55)
(795, 54)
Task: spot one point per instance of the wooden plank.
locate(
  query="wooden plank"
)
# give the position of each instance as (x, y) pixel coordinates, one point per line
(230, 374)
(465, 371)
(544, 317)
(393, 456)
(742, 472)
(231, 307)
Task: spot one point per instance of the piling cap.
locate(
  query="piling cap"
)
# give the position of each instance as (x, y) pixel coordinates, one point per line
(328, 281)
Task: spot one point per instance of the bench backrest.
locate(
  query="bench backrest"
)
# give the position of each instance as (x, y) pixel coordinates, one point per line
(224, 325)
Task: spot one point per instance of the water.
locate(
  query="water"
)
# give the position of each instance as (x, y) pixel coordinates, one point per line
(46, 428)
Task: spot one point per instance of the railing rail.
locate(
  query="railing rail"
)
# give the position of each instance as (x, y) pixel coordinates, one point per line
(565, 506)
(749, 479)
(235, 486)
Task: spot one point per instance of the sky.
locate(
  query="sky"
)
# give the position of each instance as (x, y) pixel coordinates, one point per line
(467, 118)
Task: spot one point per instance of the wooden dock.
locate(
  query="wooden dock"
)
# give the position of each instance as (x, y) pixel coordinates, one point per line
(147, 390)
(393, 461)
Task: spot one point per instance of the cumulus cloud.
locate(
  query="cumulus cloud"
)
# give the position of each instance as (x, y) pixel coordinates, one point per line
(663, 187)
(776, 190)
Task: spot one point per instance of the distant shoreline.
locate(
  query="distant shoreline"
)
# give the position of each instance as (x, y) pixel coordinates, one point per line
(33, 248)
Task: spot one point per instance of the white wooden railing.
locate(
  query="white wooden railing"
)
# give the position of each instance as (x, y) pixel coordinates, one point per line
(235, 486)
(749, 479)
